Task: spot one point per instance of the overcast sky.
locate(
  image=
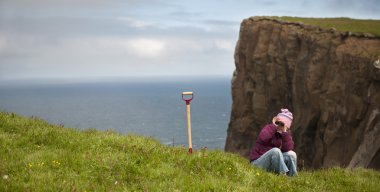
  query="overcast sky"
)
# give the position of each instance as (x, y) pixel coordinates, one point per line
(121, 38)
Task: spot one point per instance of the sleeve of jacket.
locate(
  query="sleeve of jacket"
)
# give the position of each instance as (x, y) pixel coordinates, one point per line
(287, 142)
(277, 140)
(270, 137)
(265, 134)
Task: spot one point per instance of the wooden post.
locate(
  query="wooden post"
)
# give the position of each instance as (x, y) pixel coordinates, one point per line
(188, 96)
(189, 129)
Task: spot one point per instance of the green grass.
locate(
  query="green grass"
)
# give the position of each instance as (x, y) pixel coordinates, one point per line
(37, 156)
(341, 24)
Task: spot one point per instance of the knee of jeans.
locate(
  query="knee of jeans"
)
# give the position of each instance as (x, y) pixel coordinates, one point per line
(292, 154)
(276, 150)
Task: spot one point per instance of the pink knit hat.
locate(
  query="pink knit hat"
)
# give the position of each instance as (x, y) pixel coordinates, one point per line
(285, 116)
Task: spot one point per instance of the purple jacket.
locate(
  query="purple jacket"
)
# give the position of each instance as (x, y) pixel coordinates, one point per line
(270, 138)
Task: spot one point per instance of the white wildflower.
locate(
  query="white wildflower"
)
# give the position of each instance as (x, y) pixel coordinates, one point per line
(5, 177)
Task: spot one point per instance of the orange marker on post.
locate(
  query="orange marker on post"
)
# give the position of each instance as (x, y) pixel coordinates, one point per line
(187, 97)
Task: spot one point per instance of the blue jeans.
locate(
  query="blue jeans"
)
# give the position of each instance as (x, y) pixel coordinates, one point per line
(276, 161)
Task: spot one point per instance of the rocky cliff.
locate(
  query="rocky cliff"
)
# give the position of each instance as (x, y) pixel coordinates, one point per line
(330, 80)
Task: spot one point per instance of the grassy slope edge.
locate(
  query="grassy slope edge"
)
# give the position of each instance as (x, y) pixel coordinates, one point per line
(341, 24)
(37, 156)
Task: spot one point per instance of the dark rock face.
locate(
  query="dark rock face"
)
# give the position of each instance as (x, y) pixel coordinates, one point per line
(328, 79)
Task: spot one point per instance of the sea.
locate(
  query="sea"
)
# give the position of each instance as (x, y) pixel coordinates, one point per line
(151, 107)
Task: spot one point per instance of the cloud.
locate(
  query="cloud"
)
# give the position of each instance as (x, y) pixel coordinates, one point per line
(133, 22)
(118, 55)
(147, 47)
(3, 43)
(60, 3)
(224, 44)
(138, 37)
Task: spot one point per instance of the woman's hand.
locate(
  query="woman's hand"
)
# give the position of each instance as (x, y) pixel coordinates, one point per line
(281, 129)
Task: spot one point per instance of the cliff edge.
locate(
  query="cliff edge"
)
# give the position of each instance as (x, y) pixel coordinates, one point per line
(330, 80)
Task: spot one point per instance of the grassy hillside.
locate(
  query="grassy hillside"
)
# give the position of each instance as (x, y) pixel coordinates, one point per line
(37, 156)
(341, 24)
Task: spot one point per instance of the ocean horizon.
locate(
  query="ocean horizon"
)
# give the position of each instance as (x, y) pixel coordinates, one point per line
(149, 107)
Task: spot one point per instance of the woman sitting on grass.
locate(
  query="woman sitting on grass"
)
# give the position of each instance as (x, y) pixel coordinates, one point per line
(273, 148)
